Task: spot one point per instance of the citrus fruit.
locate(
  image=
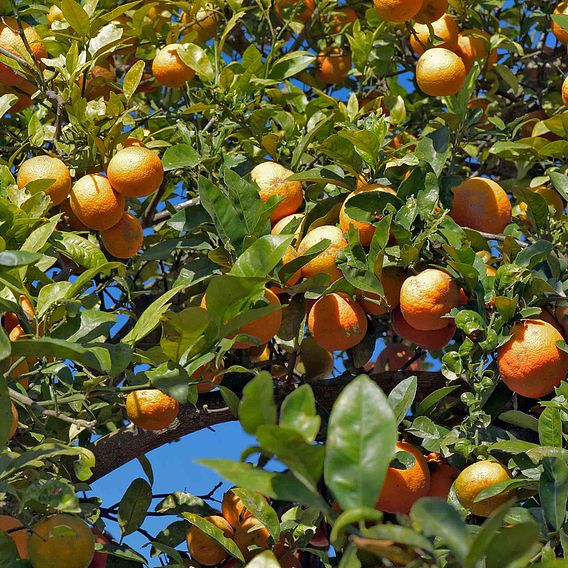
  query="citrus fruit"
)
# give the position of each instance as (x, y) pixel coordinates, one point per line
(440, 72)
(20, 537)
(99, 82)
(169, 69)
(397, 11)
(124, 239)
(61, 540)
(366, 230)
(234, 510)
(473, 45)
(208, 376)
(314, 362)
(565, 92)
(203, 22)
(394, 357)
(265, 327)
(72, 220)
(95, 203)
(444, 28)
(46, 168)
(251, 537)
(431, 11)
(205, 549)
(560, 33)
(23, 91)
(425, 339)
(271, 180)
(530, 363)
(342, 17)
(392, 278)
(442, 475)
(403, 487)
(333, 66)
(151, 409)
(337, 323)
(304, 11)
(135, 171)
(481, 204)
(427, 297)
(323, 263)
(474, 479)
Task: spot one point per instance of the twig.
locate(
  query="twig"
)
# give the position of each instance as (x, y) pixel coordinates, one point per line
(500, 238)
(163, 215)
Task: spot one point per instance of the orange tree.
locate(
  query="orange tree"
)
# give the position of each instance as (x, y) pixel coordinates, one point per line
(213, 212)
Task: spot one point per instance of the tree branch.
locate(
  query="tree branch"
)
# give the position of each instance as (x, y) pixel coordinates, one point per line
(114, 450)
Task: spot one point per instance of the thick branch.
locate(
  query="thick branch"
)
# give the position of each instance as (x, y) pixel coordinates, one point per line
(116, 449)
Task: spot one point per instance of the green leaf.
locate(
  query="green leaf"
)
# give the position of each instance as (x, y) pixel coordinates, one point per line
(402, 397)
(429, 403)
(76, 16)
(260, 508)
(14, 258)
(196, 58)
(550, 427)
(132, 78)
(435, 149)
(80, 250)
(215, 533)
(351, 517)
(8, 549)
(179, 157)
(180, 502)
(171, 379)
(553, 491)
(258, 260)
(535, 254)
(291, 64)
(518, 418)
(265, 559)
(134, 506)
(6, 103)
(359, 450)
(439, 519)
(365, 206)
(257, 405)
(512, 544)
(298, 411)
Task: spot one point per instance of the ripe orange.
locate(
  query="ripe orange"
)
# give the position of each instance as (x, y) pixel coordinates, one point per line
(472, 47)
(46, 168)
(203, 22)
(203, 548)
(20, 537)
(398, 10)
(323, 263)
(481, 204)
(337, 323)
(565, 92)
(11, 41)
(392, 278)
(530, 363)
(124, 239)
(284, 7)
(442, 475)
(48, 550)
(252, 534)
(281, 225)
(135, 171)
(271, 180)
(427, 297)
(393, 358)
(169, 69)
(99, 82)
(477, 477)
(234, 509)
(95, 203)
(366, 230)
(431, 11)
(440, 72)
(151, 409)
(208, 376)
(560, 33)
(403, 487)
(24, 367)
(333, 66)
(314, 362)
(342, 17)
(425, 339)
(445, 28)
(265, 327)
(23, 91)
(73, 221)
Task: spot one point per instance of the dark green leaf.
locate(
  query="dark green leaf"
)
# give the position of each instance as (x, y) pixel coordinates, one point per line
(257, 406)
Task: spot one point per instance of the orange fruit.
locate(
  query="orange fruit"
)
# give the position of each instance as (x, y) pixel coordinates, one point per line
(124, 239)
(95, 203)
(203, 22)
(483, 104)
(23, 91)
(431, 11)
(342, 17)
(11, 41)
(46, 168)
(392, 278)
(442, 475)
(20, 537)
(169, 69)
(151, 409)
(234, 509)
(397, 10)
(552, 199)
(427, 297)
(251, 534)
(337, 322)
(426, 339)
(323, 263)
(314, 362)
(208, 376)
(477, 477)
(366, 230)
(205, 549)
(403, 487)
(72, 220)
(265, 327)
(445, 28)
(481, 204)
(333, 66)
(281, 225)
(440, 72)
(99, 82)
(472, 47)
(565, 92)
(530, 363)
(285, 7)
(135, 171)
(393, 358)
(560, 33)
(73, 549)
(271, 180)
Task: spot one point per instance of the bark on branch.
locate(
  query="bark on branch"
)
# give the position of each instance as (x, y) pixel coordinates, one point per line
(116, 449)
